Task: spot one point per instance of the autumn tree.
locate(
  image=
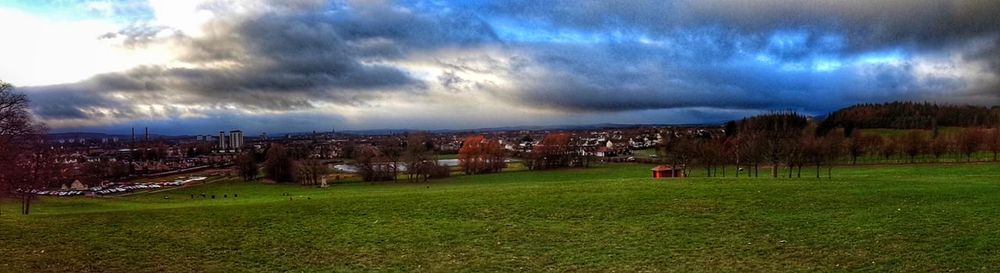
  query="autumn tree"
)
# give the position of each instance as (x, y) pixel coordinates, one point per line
(279, 165)
(246, 165)
(480, 155)
(554, 151)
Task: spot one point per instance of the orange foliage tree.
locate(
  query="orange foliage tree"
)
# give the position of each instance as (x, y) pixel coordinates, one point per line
(481, 155)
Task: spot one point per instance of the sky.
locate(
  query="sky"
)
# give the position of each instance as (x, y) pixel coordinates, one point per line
(201, 66)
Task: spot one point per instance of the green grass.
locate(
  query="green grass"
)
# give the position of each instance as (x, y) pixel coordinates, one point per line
(610, 218)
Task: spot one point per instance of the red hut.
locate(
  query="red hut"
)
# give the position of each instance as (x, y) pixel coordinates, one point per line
(664, 171)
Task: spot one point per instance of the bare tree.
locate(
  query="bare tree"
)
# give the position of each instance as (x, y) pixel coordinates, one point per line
(970, 141)
(812, 149)
(418, 157)
(35, 167)
(246, 164)
(993, 142)
(279, 166)
(939, 146)
(856, 146)
(392, 153)
(20, 144)
(890, 147)
(311, 171)
(371, 164)
(915, 143)
(678, 151)
(833, 148)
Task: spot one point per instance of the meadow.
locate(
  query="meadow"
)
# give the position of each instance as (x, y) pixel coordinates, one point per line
(927, 217)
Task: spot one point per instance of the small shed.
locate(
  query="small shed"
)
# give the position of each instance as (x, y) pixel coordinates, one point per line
(664, 171)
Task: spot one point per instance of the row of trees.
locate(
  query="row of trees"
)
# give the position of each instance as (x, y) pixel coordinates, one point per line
(921, 145)
(281, 166)
(790, 141)
(387, 159)
(480, 154)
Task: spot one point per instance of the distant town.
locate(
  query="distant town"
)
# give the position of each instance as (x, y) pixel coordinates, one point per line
(94, 160)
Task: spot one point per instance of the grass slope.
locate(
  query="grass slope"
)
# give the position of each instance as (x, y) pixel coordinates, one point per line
(611, 218)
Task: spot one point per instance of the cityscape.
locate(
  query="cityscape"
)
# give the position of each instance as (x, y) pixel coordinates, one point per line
(499, 136)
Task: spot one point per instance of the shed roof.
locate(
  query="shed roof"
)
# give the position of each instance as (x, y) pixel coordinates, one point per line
(665, 168)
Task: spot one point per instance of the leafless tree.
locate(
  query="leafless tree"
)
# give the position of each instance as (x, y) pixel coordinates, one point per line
(834, 148)
(246, 164)
(993, 142)
(915, 143)
(418, 157)
(21, 147)
(311, 171)
(392, 154)
(970, 141)
(279, 166)
(939, 146)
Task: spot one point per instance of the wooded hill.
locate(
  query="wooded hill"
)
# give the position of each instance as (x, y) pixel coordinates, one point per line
(910, 115)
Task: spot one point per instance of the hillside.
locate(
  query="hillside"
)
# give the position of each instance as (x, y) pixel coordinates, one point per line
(610, 218)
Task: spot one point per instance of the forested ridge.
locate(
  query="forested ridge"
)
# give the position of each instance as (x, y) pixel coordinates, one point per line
(912, 115)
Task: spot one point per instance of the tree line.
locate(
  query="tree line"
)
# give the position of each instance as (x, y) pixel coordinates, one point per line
(911, 115)
(788, 142)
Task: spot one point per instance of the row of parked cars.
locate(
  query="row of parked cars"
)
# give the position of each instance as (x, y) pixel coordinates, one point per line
(115, 188)
(57, 193)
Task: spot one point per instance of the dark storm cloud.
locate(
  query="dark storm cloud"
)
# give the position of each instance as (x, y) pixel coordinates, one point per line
(868, 24)
(574, 57)
(285, 57)
(705, 61)
(73, 102)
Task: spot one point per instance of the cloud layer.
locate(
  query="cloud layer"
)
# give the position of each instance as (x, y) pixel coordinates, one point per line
(371, 64)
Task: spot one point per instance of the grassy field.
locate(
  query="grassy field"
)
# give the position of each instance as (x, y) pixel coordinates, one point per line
(609, 218)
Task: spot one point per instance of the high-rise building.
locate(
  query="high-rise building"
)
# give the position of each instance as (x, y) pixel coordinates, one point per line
(235, 140)
(222, 140)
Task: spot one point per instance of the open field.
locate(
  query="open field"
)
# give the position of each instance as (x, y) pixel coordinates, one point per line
(609, 218)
